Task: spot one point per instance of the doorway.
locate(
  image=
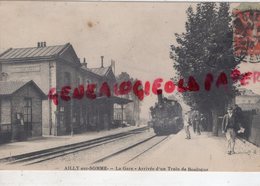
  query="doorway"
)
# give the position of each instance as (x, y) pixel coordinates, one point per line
(28, 117)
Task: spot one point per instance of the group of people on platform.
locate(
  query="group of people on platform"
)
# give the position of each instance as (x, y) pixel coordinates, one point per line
(232, 124)
(196, 120)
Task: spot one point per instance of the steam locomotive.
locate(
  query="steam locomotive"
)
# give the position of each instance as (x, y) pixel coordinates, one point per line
(166, 116)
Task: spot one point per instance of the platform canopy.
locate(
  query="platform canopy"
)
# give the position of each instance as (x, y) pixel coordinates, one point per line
(114, 99)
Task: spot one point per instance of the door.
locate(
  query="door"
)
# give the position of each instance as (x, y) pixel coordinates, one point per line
(28, 116)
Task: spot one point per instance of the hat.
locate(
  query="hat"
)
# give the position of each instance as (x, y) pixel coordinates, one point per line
(230, 108)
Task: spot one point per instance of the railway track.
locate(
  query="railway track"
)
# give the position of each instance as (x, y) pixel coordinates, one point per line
(147, 149)
(47, 154)
(157, 141)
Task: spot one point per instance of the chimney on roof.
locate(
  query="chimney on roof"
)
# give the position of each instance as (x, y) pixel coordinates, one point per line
(102, 61)
(113, 65)
(41, 44)
(85, 64)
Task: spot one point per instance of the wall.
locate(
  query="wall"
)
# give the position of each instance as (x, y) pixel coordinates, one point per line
(255, 130)
(63, 70)
(5, 111)
(43, 73)
(5, 120)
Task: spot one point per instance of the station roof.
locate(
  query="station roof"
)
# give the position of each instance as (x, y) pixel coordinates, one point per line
(33, 52)
(10, 87)
(37, 53)
(102, 71)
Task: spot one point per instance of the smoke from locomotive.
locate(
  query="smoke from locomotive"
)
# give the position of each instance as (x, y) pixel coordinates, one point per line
(166, 116)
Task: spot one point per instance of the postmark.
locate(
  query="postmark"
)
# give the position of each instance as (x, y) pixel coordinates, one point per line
(246, 25)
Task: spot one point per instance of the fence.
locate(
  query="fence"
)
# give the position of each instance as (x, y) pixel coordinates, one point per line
(251, 123)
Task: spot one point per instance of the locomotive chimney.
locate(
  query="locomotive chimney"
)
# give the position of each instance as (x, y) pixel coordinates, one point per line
(159, 96)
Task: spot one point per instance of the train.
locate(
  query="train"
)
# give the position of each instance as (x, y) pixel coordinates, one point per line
(166, 116)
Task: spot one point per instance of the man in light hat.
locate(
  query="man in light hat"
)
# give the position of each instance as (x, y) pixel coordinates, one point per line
(229, 127)
(187, 123)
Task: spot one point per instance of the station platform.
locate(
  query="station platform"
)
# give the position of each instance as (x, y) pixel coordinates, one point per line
(46, 142)
(201, 153)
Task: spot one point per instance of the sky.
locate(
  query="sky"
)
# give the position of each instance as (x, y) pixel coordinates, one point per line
(136, 35)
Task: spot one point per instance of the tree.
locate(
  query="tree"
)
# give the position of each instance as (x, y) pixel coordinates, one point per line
(205, 52)
(132, 110)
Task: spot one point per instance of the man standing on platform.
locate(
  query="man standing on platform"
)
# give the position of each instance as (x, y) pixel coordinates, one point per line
(196, 120)
(187, 123)
(229, 127)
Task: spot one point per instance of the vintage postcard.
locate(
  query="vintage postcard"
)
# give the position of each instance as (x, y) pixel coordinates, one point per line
(130, 86)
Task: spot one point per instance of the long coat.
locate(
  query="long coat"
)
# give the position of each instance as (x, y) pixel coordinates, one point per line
(229, 120)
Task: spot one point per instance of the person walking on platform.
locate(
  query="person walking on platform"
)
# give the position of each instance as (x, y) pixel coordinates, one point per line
(193, 123)
(196, 120)
(187, 123)
(229, 127)
(202, 123)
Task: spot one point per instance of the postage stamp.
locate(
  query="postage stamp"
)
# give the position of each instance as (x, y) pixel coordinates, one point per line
(246, 33)
(130, 86)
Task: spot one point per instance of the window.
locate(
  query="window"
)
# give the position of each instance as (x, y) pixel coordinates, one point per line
(28, 110)
(67, 79)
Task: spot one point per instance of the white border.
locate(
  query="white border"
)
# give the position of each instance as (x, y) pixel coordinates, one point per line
(107, 178)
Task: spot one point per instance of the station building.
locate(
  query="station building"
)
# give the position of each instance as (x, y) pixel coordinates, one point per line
(55, 67)
(20, 110)
(248, 100)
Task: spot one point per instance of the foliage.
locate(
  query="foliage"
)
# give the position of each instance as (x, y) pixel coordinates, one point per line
(206, 47)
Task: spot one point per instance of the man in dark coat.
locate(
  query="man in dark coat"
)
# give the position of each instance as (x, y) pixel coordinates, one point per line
(238, 113)
(196, 120)
(229, 127)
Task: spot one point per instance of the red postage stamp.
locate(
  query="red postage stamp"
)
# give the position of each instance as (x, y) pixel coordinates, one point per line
(247, 35)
